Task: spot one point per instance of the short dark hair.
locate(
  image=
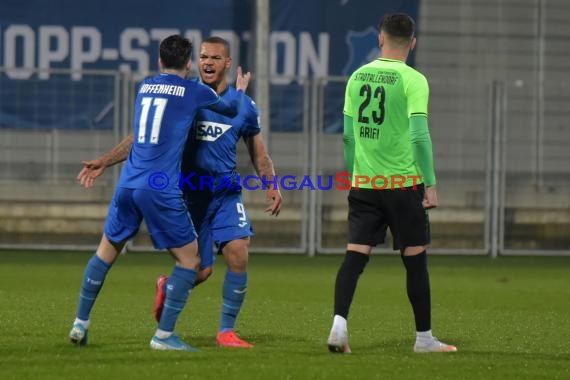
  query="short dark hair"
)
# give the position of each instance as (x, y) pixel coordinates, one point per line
(175, 52)
(218, 40)
(399, 26)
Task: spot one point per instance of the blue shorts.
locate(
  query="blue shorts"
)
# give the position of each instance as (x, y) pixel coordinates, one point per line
(219, 218)
(165, 215)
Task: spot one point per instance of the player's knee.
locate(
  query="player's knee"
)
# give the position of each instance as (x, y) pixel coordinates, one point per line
(236, 255)
(413, 251)
(185, 259)
(192, 262)
(203, 275)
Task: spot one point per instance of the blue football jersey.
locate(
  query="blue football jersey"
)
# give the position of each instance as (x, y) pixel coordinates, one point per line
(211, 149)
(165, 108)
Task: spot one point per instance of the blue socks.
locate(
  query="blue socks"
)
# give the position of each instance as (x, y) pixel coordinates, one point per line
(93, 278)
(178, 287)
(235, 287)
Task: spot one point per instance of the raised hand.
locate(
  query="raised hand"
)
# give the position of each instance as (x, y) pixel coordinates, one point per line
(242, 80)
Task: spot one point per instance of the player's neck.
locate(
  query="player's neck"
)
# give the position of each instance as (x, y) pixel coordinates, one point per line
(180, 73)
(395, 54)
(220, 87)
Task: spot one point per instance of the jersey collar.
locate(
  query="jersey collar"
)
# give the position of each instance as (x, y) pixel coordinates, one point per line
(390, 60)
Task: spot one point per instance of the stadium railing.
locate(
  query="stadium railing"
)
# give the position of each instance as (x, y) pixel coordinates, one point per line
(500, 158)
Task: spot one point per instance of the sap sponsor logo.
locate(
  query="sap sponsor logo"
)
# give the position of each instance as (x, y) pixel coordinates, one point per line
(208, 131)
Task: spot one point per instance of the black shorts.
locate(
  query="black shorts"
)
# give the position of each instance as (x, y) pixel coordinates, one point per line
(371, 212)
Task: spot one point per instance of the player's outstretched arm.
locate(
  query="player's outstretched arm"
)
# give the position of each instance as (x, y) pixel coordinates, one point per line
(95, 168)
(264, 167)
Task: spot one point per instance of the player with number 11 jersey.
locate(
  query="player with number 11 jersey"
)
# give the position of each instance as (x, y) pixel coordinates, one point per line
(165, 108)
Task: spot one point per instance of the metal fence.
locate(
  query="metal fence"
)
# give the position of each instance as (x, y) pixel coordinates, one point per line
(47, 127)
(459, 122)
(500, 153)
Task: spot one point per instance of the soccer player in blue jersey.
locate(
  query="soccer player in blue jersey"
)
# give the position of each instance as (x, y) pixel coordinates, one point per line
(165, 108)
(216, 208)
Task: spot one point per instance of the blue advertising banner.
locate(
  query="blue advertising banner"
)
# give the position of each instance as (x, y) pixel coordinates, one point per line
(322, 38)
(328, 37)
(86, 35)
(308, 38)
(110, 34)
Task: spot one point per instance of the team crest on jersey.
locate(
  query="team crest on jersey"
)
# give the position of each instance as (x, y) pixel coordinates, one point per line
(209, 131)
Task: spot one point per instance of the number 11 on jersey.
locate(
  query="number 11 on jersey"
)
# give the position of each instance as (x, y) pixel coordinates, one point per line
(159, 105)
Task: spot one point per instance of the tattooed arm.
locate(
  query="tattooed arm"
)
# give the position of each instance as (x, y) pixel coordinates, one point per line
(264, 168)
(94, 168)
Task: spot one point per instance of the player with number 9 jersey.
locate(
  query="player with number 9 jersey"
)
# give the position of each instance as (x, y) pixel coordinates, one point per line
(211, 152)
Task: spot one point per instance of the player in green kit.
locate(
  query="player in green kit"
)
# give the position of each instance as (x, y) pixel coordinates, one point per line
(386, 136)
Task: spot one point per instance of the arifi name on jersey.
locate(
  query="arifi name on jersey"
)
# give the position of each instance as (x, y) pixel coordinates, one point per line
(208, 131)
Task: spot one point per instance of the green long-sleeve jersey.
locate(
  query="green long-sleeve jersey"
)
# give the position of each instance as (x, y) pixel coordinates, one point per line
(386, 133)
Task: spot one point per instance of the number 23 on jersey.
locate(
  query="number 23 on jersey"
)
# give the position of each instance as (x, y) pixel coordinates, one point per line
(376, 96)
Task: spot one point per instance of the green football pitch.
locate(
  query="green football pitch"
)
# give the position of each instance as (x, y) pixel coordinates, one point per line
(509, 317)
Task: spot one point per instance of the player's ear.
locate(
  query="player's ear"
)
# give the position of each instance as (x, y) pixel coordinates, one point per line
(160, 65)
(381, 39)
(413, 44)
(228, 63)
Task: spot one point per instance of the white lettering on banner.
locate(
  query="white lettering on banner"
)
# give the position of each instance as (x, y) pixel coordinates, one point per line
(285, 42)
(194, 35)
(158, 34)
(233, 41)
(50, 36)
(91, 53)
(129, 53)
(309, 57)
(283, 50)
(24, 49)
(26, 36)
